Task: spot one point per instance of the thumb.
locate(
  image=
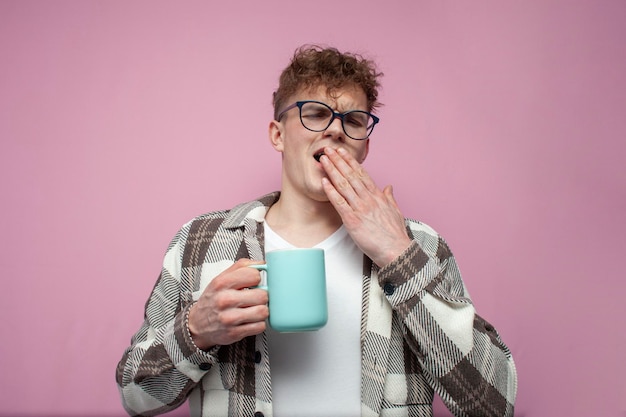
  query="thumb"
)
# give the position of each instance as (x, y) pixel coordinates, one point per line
(388, 192)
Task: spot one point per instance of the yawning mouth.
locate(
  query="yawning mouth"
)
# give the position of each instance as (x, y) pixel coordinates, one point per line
(317, 156)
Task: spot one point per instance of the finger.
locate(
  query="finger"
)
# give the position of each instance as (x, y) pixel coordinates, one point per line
(252, 297)
(236, 299)
(331, 162)
(336, 199)
(239, 264)
(255, 314)
(240, 316)
(237, 276)
(250, 329)
(244, 263)
(388, 192)
(235, 319)
(343, 178)
(352, 170)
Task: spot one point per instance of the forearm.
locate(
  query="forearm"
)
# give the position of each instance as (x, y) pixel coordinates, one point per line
(471, 368)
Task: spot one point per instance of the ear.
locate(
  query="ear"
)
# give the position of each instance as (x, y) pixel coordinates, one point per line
(276, 135)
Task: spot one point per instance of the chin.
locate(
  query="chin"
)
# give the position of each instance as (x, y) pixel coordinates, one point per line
(319, 196)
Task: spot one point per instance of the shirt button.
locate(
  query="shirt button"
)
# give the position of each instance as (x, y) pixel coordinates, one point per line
(257, 357)
(204, 366)
(258, 414)
(389, 288)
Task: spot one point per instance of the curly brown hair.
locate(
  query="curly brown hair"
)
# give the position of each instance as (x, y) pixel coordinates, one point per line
(313, 66)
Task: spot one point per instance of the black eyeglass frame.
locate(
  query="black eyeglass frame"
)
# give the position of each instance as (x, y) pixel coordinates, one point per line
(335, 115)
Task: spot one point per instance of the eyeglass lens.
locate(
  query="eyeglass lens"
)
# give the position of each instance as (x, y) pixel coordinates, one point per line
(317, 117)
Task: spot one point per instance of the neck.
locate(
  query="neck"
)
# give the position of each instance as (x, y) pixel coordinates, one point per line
(303, 222)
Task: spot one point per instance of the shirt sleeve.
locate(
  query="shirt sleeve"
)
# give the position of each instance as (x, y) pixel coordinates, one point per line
(162, 364)
(461, 353)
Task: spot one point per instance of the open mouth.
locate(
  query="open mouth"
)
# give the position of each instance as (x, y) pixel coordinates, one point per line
(318, 155)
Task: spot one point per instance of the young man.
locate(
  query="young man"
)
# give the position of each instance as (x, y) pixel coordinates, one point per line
(401, 325)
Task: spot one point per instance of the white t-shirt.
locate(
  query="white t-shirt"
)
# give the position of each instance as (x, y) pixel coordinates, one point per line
(319, 373)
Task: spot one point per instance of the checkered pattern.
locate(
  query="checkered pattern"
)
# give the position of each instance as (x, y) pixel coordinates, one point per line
(420, 333)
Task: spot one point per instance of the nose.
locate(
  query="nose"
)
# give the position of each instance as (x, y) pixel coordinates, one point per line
(335, 129)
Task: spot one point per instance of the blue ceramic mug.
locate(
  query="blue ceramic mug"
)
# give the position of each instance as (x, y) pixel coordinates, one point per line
(296, 283)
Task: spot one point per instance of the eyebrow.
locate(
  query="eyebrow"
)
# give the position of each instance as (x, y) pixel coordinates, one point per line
(335, 108)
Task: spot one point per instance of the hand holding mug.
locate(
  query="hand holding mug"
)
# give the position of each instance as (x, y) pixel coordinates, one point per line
(229, 309)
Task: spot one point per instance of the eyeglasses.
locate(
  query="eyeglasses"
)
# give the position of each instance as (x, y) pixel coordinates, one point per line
(317, 117)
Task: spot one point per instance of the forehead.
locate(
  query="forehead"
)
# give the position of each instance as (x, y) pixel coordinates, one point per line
(341, 99)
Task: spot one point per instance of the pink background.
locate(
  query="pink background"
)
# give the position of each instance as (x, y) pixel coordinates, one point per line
(504, 129)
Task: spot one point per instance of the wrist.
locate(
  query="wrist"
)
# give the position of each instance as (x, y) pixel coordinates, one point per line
(392, 254)
(192, 329)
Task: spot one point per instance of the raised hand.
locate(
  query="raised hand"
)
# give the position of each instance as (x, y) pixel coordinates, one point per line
(370, 215)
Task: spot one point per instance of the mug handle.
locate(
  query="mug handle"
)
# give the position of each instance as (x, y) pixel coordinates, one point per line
(262, 267)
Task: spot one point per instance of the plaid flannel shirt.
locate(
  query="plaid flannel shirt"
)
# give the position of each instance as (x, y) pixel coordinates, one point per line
(420, 333)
